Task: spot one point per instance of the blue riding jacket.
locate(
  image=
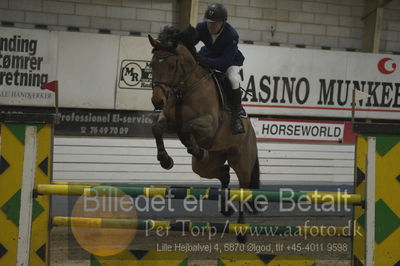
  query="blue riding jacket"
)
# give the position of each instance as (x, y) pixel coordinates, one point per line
(224, 52)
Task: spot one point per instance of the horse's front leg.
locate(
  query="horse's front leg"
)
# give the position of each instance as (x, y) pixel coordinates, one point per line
(198, 132)
(158, 130)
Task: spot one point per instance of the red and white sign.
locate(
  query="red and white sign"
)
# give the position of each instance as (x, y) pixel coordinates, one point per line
(302, 130)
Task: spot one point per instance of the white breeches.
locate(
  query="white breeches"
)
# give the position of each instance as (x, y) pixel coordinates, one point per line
(234, 77)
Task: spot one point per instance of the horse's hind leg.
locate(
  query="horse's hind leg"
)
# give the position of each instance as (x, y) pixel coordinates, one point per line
(245, 164)
(215, 168)
(158, 130)
(247, 171)
(225, 176)
(224, 208)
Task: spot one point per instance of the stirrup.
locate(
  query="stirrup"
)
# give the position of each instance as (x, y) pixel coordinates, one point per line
(237, 126)
(242, 112)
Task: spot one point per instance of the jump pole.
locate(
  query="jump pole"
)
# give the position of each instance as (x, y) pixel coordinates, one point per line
(186, 226)
(370, 203)
(202, 193)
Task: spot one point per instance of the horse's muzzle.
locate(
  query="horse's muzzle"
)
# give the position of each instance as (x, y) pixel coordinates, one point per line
(158, 98)
(158, 105)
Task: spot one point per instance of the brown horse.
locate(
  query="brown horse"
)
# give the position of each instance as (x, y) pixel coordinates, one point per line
(191, 107)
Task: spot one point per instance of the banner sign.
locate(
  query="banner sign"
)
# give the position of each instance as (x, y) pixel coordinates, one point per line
(134, 82)
(301, 130)
(135, 74)
(276, 80)
(105, 123)
(28, 59)
(120, 123)
(306, 82)
(96, 123)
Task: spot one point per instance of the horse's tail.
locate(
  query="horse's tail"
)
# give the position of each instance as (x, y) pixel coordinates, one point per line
(255, 175)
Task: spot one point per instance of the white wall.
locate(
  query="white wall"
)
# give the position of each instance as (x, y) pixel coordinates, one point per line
(390, 39)
(120, 16)
(87, 69)
(135, 160)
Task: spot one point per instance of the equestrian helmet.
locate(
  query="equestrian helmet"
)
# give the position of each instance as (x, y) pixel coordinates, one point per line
(215, 12)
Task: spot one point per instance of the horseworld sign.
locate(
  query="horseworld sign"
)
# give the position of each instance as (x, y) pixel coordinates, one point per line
(303, 131)
(305, 82)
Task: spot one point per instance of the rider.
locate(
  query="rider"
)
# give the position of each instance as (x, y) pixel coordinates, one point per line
(221, 53)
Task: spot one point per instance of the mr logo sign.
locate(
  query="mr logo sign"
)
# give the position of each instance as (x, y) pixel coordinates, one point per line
(135, 74)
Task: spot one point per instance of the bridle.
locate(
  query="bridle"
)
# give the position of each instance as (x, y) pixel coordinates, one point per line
(177, 86)
(173, 83)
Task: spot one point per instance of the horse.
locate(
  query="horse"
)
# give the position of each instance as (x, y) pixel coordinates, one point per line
(192, 108)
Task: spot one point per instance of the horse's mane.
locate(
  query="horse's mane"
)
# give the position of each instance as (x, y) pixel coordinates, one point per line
(170, 34)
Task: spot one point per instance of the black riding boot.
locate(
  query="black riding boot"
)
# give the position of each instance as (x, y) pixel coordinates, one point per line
(236, 105)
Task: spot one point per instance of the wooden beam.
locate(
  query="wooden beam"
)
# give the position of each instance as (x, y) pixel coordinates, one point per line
(188, 10)
(370, 6)
(373, 24)
(372, 31)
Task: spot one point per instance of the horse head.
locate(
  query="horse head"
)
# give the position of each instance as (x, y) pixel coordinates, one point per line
(160, 62)
(170, 62)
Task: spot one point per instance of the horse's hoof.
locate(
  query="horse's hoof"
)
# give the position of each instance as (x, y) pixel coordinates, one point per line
(242, 238)
(167, 163)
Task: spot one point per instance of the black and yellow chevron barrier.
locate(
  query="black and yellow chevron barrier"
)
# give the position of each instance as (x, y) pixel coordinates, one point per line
(387, 201)
(13, 128)
(387, 193)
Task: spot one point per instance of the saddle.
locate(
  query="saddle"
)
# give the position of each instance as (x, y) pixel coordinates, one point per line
(224, 87)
